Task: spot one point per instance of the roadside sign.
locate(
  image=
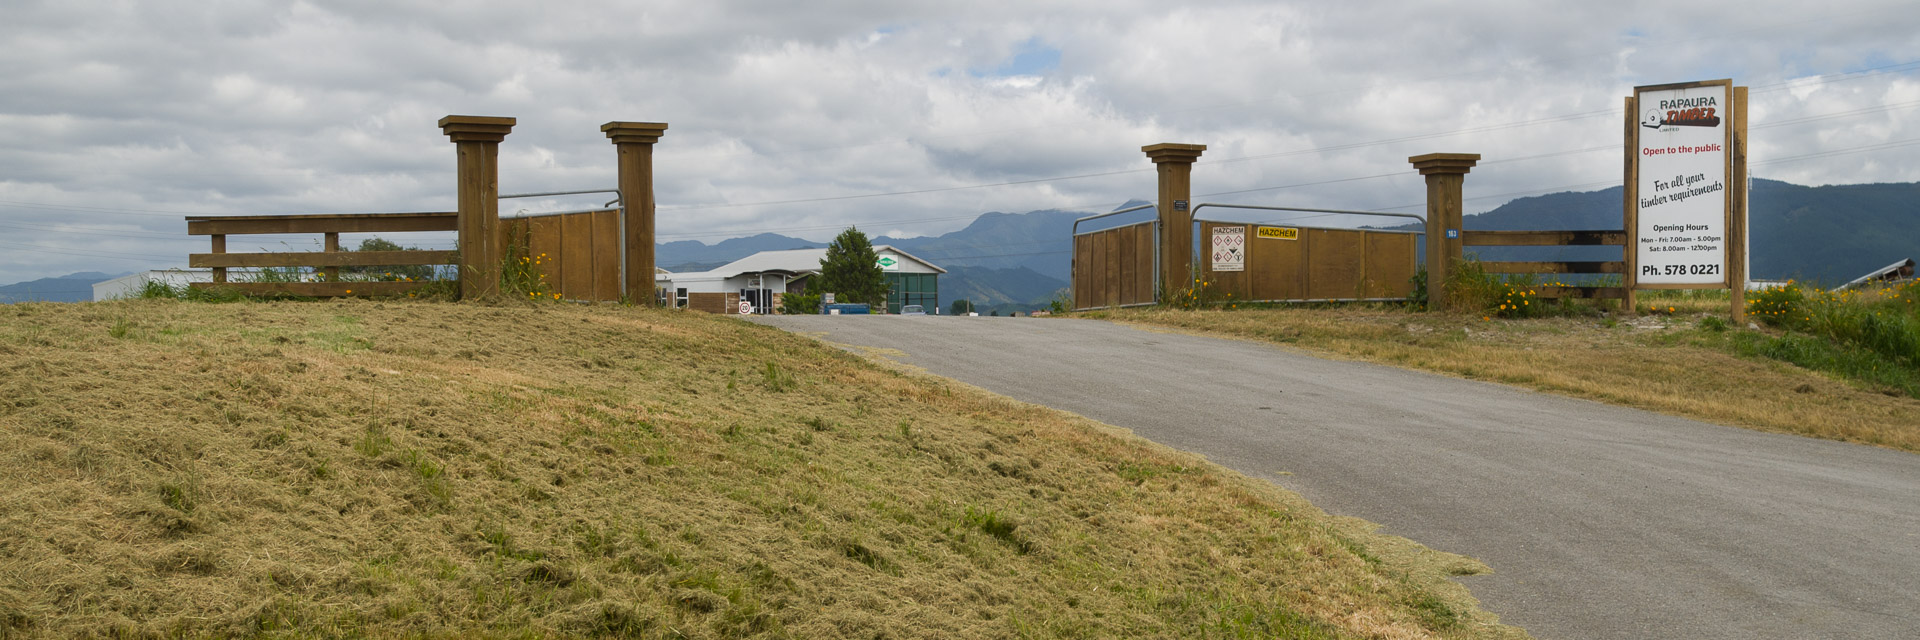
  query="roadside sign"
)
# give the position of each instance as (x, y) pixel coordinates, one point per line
(1683, 200)
(1230, 248)
(1279, 233)
(746, 308)
(826, 298)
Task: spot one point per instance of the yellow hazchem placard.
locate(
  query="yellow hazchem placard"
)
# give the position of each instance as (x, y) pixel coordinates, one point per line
(1283, 233)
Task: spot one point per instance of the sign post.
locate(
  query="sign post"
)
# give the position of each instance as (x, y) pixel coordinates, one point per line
(1687, 189)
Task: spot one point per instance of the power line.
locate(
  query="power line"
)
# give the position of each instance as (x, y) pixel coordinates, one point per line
(95, 231)
(144, 257)
(1831, 78)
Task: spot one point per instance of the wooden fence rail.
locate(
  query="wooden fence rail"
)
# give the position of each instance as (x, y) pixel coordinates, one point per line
(1555, 238)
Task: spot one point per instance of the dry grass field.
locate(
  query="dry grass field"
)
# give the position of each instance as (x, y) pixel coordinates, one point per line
(399, 469)
(1673, 361)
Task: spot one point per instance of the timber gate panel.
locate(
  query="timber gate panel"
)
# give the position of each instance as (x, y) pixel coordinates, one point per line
(1114, 267)
(579, 253)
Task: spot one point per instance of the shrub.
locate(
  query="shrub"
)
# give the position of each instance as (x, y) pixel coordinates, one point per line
(800, 303)
(1201, 294)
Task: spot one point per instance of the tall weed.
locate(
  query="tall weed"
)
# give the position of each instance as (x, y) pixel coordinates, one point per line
(1884, 321)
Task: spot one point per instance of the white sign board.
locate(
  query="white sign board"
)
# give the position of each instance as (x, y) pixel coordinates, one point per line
(1230, 248)
(746, 308)
(1680, 235)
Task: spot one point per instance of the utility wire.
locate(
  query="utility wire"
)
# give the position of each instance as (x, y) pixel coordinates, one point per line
(1826, 79)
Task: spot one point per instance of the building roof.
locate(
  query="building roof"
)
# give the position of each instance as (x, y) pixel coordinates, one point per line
(791, 261)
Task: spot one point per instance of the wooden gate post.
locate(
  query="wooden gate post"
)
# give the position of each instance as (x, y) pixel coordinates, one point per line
(633, 141)
(1174, 162)
(1446, 173)
(477, 143)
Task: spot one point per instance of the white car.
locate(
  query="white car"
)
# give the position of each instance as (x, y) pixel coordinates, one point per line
(913, 310)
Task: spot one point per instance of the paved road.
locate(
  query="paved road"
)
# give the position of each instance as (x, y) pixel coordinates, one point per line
(1599, 522)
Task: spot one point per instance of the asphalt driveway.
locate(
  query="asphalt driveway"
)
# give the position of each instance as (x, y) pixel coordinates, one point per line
(1599, 521)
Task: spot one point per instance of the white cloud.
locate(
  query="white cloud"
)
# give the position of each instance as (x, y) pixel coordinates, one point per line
(128, 113)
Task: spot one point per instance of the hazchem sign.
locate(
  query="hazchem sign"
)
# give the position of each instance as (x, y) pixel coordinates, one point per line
(1279, 233)
(1230, 248)
(1681, 148)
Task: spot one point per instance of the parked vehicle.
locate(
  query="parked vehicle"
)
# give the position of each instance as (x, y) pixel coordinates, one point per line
(913, 310)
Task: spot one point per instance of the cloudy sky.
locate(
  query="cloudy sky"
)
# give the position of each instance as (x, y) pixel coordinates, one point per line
(905, 118)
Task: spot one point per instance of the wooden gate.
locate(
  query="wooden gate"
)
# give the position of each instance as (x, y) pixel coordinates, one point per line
(1311, 264)
(579, 253)
(1115, 267)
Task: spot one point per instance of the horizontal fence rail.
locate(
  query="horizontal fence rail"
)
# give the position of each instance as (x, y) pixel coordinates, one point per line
(322, 223)
(1542, 238)
(322, 259)
(1550, 239)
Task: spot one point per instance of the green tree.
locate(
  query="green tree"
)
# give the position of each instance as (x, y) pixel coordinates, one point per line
(850, 270)
(960, 307)
(388, 272)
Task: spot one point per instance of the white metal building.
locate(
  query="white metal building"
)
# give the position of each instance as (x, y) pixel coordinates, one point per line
(762, 277)
(130, 286)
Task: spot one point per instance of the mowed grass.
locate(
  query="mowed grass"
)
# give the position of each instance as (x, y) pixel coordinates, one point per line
(357, 468)
(1679, 357)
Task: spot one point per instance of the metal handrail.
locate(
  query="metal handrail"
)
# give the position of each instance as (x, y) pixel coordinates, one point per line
(616, 192)
(1076, 222)
(1203, 205)
(522, 215)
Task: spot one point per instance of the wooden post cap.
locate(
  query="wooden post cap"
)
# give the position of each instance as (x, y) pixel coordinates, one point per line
(476, 128)
(1173, 152)
(641, 132)
(1433, 163)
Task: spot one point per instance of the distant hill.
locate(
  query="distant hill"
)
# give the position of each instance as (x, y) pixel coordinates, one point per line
(1015, 259)
(675, 255)
(73, 287)
(1037, 240)
(986, 288)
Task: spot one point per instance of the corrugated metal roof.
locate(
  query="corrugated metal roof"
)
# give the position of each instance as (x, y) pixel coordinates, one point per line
(791, 261)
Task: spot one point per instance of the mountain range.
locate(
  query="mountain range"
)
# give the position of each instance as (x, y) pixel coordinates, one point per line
(73, 287)
(1827, 234)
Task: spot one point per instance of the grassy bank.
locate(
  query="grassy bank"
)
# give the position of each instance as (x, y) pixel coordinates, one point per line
(444, 470)
(1679, 358)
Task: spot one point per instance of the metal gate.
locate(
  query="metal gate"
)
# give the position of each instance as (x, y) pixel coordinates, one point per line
(1295, 263)
(1117, 267)
(581, 253)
